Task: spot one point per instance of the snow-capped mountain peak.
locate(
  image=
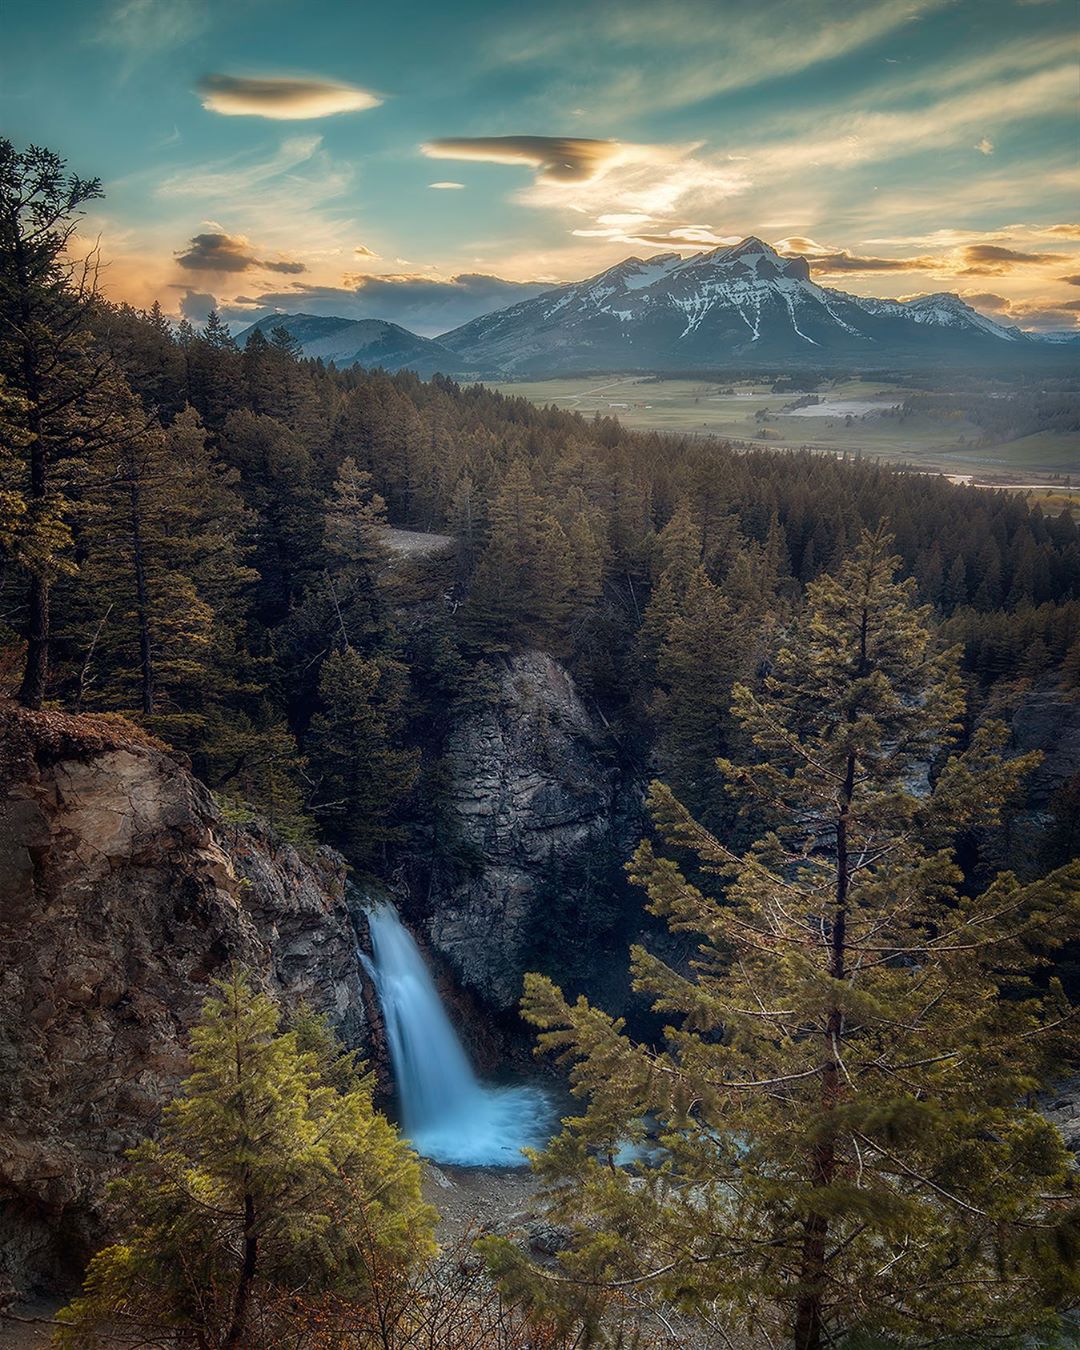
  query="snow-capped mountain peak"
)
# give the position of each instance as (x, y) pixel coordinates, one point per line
(729, 304)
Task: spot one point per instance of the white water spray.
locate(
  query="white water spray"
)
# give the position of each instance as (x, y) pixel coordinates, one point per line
(447, 1113)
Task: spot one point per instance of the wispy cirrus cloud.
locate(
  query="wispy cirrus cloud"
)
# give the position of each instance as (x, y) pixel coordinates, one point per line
(239, 174)
(282, 98)
(220, 252)
(653, 181)
(636, 231)
(685, 51)
(957, 238)
(146, 27)
(850, 138)
(295, 198)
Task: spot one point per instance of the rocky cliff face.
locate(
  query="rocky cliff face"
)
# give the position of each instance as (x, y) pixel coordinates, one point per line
(122, 894)
(1048, 720)
(532, 799)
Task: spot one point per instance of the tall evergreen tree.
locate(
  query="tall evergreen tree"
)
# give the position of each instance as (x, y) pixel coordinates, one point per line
(705, 647)
(353, 541)
(520, 591)
(843, 1134)
(362, 773)
(158, 609)
(48, 363)
(273, 1181)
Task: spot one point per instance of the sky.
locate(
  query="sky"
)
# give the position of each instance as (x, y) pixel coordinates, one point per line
(425, 162)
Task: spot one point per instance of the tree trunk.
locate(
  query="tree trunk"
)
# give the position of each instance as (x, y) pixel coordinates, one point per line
(146, 655)
(247, 1275)
(809, 1306)
(36, 673)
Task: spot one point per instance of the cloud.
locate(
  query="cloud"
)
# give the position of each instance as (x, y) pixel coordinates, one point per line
(985, 146)
(281, 99)
(293, 199)
(1072, 281)
(362, 251)
(950, 238)
(1039, 312)
(634, 229)
(196, 305)
(144, 27)
(997, 260)
(826, 258)
(229, 253)
(557, 159)
(986, 300)
(424, 304)
(852, 137)
(684, 51)
(238, 174)
(976, 253)
(659, 183)
(446, 186)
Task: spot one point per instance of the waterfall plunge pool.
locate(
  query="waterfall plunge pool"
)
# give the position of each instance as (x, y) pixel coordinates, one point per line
(447, 1113)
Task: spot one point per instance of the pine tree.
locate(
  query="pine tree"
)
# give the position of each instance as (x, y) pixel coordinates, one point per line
(272, 1182)
(353, 544)
(255, 767)
(157, 610)
(519, 593)
(704, 648)
(214, 372)
(676, 558)
(353, 743)
(53, 374)
(843, 1135)
(277, 481)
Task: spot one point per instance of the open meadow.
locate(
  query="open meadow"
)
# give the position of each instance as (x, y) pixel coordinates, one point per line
(854, 416)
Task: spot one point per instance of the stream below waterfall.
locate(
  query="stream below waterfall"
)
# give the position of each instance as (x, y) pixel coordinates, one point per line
(447, 1113)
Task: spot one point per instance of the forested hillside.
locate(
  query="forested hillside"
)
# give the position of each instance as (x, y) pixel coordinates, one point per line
(454, 635)
(193, 535)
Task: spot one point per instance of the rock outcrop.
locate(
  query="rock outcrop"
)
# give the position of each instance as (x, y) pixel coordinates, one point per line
(532, 792)
(122, 894)
(1048, 720)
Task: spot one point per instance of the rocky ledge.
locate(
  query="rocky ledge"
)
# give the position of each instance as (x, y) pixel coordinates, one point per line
(123, 893)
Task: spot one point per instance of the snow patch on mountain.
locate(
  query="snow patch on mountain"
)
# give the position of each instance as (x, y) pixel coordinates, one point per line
(711, 307)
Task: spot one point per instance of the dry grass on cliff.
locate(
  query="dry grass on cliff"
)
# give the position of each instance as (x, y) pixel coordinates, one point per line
(50, 735)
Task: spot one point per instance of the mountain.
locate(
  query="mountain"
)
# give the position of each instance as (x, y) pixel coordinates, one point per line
(735, 305)
(361, 342)
(1058, 336)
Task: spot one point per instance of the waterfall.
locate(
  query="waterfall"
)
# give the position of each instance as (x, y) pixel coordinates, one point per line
(447, 1113)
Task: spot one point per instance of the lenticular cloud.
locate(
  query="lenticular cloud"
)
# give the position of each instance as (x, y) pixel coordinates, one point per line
(281, 99)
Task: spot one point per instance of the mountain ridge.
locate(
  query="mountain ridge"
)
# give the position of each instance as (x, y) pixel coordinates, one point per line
(736, 305)
(726, 305)
(364, 342)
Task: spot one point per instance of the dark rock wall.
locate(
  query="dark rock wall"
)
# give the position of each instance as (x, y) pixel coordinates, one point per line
(533, 794)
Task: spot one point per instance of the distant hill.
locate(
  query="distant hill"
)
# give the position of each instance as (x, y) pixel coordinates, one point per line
(361, 342)
(738, 305)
